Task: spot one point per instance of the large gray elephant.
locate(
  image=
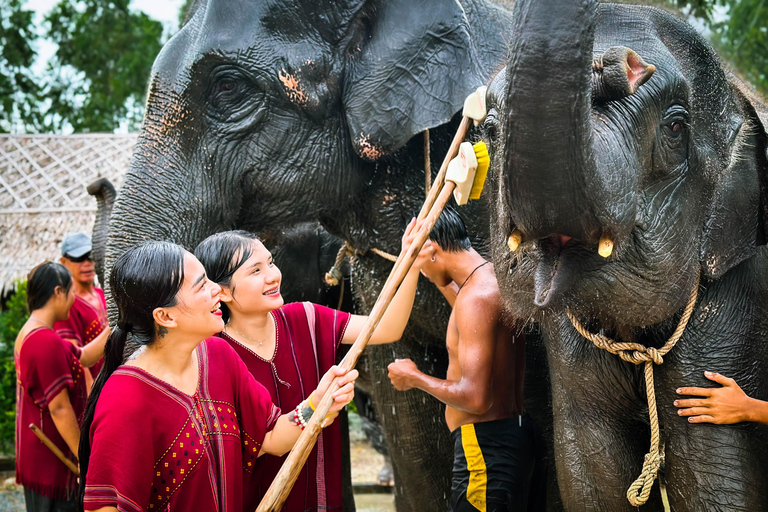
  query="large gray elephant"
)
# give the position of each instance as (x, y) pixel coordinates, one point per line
(592, 148)
(264, 114)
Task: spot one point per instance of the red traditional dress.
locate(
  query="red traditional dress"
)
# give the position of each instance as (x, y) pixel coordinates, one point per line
(156, 448)
(85, 322)
(45, 365)
(307, 339)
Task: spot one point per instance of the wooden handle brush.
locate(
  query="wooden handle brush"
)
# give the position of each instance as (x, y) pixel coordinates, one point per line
(465, 172)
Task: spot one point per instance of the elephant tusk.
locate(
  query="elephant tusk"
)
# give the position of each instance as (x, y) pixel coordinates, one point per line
(514, 240)
(605, 247)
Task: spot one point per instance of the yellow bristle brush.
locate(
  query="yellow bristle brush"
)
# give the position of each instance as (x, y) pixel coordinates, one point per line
(468, 171)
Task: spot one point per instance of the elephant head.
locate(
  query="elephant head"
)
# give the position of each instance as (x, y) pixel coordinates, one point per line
(618, 123)
(262, 114)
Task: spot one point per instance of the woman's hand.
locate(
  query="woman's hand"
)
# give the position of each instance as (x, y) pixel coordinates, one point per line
(725, 405)
(427, 250)
(341, 396)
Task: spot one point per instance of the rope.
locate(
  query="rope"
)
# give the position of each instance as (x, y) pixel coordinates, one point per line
(383, 254)
(333, 277)
(640, 490)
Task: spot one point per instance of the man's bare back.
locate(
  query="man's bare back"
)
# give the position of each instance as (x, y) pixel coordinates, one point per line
(477, 336)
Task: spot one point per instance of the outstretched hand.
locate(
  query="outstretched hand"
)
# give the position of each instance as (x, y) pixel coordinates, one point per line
(725, 405)
(427, 250)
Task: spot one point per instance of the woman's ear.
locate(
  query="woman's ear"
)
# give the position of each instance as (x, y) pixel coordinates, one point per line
(164, 318)
(225, 295)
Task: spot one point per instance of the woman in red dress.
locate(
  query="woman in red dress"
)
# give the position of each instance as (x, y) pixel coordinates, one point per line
(51, 393)
(181, 422)
(287, 347)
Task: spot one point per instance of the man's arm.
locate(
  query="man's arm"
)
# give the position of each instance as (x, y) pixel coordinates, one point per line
(395, 318)
(726, 405)
(476, 322)
(93, 351)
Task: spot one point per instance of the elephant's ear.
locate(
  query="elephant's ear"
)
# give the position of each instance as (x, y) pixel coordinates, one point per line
(412, 63)
(738, 219)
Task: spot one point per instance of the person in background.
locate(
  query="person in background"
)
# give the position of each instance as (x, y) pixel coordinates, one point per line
(87, 321)
(51, 393)
(287, 347)
(498, 464)
(724, 405)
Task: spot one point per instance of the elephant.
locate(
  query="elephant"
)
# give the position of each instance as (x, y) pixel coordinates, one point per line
(267, 114)
(627, 162)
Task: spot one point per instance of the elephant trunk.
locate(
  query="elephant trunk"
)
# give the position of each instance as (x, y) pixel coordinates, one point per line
(104, 192)
(549, 156)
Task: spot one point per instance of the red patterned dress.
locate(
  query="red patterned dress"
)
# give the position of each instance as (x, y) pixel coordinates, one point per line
(156, 448)
(45, 366)
(308, 337)
(85, 322)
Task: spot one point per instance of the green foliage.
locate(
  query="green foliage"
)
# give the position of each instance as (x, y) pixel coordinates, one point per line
(96, 81)
(113, 49)
(18, 89)
(12, 318)
(741, 39)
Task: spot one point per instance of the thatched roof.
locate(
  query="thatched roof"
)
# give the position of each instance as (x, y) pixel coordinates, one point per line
(43, 196)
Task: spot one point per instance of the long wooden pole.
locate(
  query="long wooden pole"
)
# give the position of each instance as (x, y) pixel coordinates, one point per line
(283, 483)
(439, 181)
(47, 442)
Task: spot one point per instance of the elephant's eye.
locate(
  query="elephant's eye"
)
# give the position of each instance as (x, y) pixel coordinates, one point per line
(226, 86)
(676, 126)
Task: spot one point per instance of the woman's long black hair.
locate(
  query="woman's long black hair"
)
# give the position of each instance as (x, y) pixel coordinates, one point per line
(42, 282)
(222, 254)
(144, 278)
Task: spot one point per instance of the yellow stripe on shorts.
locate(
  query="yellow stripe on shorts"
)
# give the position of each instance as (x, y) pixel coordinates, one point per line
(478, 477)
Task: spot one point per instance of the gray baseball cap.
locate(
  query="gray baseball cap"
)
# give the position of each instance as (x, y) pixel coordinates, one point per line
(76, 245)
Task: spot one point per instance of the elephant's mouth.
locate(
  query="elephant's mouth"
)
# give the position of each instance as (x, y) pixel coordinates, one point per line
(558, 262)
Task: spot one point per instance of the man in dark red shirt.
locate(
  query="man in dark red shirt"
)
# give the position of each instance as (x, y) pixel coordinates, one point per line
(87, 323)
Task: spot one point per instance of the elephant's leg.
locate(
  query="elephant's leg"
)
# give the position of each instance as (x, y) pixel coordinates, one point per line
(415, 430)
(714, 467)
(600, 426)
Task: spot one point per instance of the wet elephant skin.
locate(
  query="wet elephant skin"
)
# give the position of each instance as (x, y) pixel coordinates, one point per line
(674, 172)
(262, 115)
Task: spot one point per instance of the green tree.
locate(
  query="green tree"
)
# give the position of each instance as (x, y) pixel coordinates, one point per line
(111, 50)
(11, 321)
(741, 39)
(18, 88)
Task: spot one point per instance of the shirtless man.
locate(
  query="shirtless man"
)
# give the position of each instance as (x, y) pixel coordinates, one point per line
(497, 448)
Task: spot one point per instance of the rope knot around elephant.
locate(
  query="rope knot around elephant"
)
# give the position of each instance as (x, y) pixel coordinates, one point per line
(636, 353)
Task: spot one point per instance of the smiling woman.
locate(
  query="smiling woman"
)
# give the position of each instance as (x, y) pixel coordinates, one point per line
(287, 347)
(204, 420)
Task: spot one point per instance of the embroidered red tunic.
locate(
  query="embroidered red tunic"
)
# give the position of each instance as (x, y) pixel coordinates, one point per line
(85, 322)
(156, 448)
(45, 365)
(301, 357)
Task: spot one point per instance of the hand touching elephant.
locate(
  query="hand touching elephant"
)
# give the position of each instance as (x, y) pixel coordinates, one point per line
(628, 164)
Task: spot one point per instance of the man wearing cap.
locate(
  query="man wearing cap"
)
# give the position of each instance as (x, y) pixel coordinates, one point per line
(87, 322)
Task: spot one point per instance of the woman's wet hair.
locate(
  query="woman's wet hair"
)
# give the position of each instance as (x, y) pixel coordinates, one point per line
(144, 278)
(450, 233)
(222, 254)
(42, 282)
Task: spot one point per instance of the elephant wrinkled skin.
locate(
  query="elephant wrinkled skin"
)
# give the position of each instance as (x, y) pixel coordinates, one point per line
(589, 141)
(262, 115)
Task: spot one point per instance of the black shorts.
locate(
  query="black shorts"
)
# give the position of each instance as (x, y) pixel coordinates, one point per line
(498, 466)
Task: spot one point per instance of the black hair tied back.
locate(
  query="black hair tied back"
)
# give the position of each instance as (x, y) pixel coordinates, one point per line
(144, 278)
